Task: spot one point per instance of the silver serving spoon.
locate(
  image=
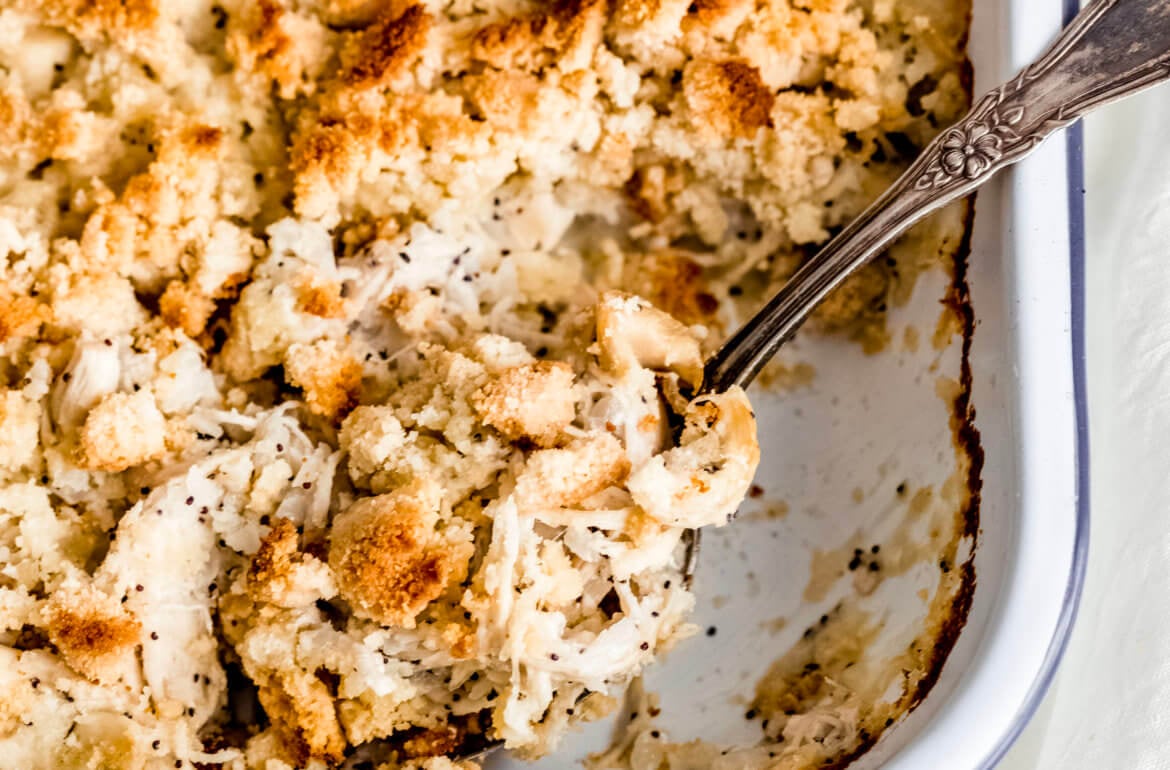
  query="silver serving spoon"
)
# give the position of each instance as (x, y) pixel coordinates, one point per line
(1110, 50)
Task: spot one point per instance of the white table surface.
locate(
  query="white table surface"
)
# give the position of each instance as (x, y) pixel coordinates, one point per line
(1109, 708)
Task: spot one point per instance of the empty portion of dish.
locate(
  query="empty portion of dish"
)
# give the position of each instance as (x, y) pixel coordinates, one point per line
(346, 349)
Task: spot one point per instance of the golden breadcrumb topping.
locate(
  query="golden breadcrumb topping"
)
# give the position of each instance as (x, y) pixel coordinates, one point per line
(389, 559)
(301, 709)
(562, 478)
(532, 402)
(91, 631)
(330, 377)
(120, 431)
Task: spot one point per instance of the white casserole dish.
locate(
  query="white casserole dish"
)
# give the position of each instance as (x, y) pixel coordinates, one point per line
(868, 422)
(1027, 285)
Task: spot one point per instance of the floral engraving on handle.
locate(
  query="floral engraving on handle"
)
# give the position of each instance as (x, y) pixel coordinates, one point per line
(972, 148)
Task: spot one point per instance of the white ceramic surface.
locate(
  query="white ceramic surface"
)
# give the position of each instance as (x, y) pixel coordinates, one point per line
(871, 422)
(1026, 266)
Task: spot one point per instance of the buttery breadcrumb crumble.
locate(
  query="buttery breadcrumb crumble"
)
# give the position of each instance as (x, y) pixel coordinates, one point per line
(343, 346)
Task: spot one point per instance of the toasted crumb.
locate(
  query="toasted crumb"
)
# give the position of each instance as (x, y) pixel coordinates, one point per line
(566, 477)
(413, 311)
(286, 48)
(462, 640)
(320, 298)
(712, 14)
(109, 16)
(432, 743)
(185, 307)
(567, 29)
(330, 377)
(302, 711)
(283, 575)
(102, 303)
(534, 402)
(274, 559)
(92, 631)
(20, 316)
(729, 97)
(341, 343)
(378, 54)
(123, 430)
(19, 431)
(389, 560)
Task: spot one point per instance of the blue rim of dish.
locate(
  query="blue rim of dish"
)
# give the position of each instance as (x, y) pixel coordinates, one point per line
(1075, 169)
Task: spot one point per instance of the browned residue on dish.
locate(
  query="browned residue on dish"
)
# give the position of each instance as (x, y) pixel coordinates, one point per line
(959, 578)
(779, 376)
(770, 510)
(911, 339)
(775, 625)
(936, 524)
(827, 567)
(925, 656)
(824, 672)
(921, 536)
(949, 325)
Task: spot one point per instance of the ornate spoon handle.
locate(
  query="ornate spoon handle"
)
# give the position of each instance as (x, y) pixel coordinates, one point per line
(1113, 48)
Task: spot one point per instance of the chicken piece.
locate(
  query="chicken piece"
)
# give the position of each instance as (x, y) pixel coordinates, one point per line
(705, 478)
(631, 333)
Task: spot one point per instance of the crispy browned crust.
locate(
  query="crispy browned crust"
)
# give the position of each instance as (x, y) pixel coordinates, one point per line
(265, 42)
(389, 46)
(21, 316)
(952, 602)
(388, 562)
(111, 17)
(201, 139)
(729, 96)
(362, 65)
(533, 402)
(320, 298)
(435, 742)
(529, 42)
(90, 632)
(704, 13)
(327, 150)
(265, 34)
(330, 378)
(276, 556)
(184, 307)
(301, 709)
